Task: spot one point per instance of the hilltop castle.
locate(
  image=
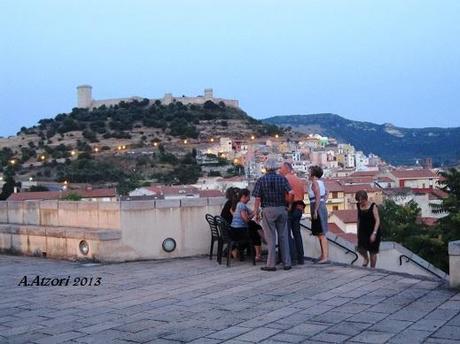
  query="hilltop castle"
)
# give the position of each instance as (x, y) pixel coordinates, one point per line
(85, 99)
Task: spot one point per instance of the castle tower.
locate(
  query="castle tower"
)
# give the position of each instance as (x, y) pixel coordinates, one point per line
(84, 97)
(168, 99)
(208, 94)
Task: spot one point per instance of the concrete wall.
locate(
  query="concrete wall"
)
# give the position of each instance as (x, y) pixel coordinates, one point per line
(454, 264)
(55, 228)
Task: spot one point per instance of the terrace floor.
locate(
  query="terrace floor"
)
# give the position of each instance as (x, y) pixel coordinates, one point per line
(196, 300)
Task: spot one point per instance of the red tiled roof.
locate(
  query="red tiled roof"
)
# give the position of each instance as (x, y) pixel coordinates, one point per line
(211, 193)
(333, 228)
(434, 193)
(364, 174)
(333, 185)
(50, 195)
(32, 196)
(384, 179)
(347, 216)
(413, 174)
(356, 188)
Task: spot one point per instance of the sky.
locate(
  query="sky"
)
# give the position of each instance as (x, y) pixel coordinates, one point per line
(387, 61)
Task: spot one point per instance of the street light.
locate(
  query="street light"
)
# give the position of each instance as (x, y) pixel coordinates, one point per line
(12, 162)
(96, 149)
(212, 139)
(253, 137)
(42, 157)
(185, 142)
(277, 136)
(72, 153)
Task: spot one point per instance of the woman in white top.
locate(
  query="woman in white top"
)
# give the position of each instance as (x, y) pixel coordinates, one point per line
(318, 196)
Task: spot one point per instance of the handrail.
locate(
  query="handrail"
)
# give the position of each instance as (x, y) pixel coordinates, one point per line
(338, 244)
(409, 259)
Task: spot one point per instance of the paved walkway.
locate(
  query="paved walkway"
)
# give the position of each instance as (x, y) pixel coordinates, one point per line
(195, 300)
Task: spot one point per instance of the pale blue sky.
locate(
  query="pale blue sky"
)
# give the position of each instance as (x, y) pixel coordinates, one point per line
(392, 61)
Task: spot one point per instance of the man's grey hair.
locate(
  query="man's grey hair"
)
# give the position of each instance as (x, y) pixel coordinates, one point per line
(271, 165)
(288, 165)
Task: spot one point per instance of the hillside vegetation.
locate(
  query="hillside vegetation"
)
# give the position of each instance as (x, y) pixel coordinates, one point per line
(93, 145)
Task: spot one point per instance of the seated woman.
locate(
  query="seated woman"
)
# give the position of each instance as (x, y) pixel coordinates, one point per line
(232, 199)
(242, 227)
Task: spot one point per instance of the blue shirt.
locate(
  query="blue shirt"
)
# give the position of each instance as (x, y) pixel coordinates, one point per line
(272, 188)
(238, 222)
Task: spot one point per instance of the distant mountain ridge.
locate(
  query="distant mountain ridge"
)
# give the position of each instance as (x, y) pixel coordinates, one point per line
(394, 144)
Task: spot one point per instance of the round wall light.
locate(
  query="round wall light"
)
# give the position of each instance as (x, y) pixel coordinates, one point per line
(84, 247)
(169, 245)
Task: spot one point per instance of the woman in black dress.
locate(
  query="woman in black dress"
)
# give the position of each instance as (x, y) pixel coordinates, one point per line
(369, 233)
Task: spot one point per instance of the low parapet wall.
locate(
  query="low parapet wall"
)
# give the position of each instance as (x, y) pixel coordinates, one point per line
(56, 228)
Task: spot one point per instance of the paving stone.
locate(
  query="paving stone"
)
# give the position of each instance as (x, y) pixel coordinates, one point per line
(58, 339)
(390, 325)
(189, 334)
(427, 325)
(331, 337)
(288, 338)
(229, 333)
(448, 332)
(348, 328)
(368, 317)
(258, 334)
(368, 336)
(308, 329)
(410, 336)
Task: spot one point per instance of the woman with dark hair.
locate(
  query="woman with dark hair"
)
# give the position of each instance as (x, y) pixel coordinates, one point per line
(369, 234)
(317, 194)
(242, 227)
(229, 207)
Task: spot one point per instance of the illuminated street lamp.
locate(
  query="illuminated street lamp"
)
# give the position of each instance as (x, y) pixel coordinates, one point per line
(235, 161)
(185, 142)
(30, 179)
(123, 147)
(96, 149)
(277, 136)
(42, 157)
(12, 162)
(212, 139)
(155, 144)
(253, 137)
(119, 148)
(73, 153)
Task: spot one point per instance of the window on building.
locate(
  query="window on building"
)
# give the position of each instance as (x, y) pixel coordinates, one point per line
(335, 207)
(335, 194)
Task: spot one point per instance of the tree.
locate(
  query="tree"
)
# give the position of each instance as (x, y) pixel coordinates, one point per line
(10, 183)
(400, 224)
(72, 196)
(449, 225)
(126, 185)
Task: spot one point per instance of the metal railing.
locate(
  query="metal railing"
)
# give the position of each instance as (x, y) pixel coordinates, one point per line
(409, 259)
(347, 250)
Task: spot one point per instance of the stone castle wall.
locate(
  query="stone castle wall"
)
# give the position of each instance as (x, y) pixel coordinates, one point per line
(85, 100)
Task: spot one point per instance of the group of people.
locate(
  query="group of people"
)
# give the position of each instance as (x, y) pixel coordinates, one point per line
(278, 208)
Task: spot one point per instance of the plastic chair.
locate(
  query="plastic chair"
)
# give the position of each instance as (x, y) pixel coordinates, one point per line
(215, 234)
(224, 229)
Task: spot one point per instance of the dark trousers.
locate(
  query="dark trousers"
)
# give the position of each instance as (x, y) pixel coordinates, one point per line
(295, 240)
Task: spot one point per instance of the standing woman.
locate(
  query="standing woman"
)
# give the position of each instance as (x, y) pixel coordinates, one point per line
(318, 195)
(369, 234)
